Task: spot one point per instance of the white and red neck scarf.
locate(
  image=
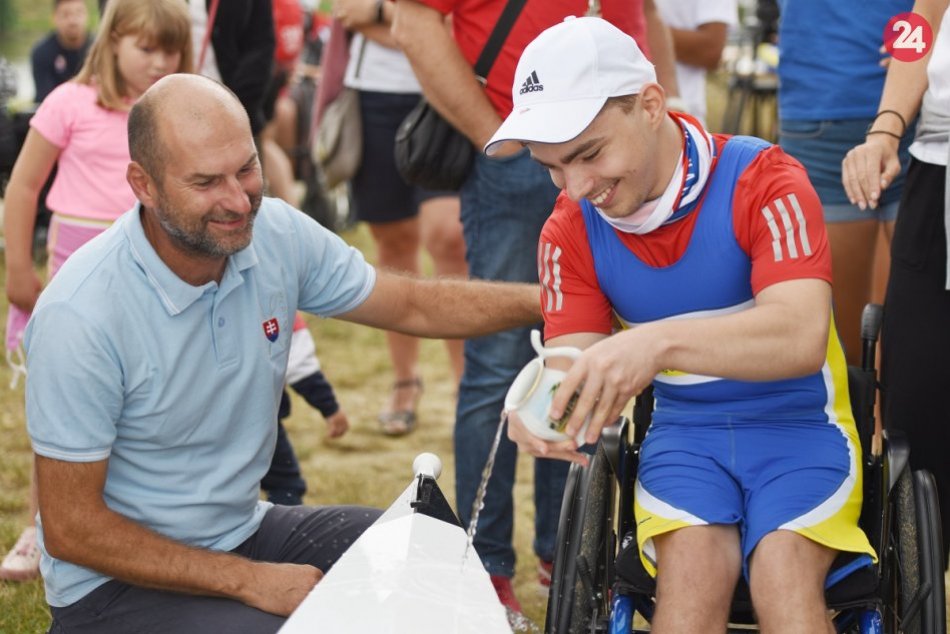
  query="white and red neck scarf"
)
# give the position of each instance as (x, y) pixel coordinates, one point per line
(684, 189)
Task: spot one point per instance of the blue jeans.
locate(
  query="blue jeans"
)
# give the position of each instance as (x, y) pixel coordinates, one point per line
(504, 205)
(821, 146)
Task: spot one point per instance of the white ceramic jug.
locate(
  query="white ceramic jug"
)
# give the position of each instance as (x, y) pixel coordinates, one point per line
(533, 389)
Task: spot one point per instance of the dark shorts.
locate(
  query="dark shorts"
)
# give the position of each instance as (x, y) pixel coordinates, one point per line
(298, 534)
(379, 193)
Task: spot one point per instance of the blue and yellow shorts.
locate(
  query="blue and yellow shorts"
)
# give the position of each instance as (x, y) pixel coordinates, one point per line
(802, 476)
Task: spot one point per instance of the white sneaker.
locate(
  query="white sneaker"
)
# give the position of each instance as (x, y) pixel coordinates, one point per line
(23, 562)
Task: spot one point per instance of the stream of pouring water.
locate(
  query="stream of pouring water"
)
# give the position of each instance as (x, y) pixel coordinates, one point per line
(517, 621)
(479, 502)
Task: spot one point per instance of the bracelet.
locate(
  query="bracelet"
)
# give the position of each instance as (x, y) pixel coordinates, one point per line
(380, 18)
(895, 113)
(887, 132)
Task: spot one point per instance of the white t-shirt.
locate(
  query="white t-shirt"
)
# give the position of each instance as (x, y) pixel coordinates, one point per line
(689, 15)
(379, 68)
(937, 97)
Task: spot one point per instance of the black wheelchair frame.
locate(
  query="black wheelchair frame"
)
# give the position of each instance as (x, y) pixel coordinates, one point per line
(598, 583)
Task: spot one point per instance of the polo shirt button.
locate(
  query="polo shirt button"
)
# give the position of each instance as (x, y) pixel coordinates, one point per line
(220, 322)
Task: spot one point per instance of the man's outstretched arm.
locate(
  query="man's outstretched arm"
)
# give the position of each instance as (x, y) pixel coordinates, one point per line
(447, 308)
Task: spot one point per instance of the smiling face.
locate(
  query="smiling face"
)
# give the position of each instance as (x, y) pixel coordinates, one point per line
(207, 225)
(201, 190)
(619, 161)
(212, 185)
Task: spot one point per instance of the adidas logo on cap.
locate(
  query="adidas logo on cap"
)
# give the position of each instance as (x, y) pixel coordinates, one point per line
(531, 84)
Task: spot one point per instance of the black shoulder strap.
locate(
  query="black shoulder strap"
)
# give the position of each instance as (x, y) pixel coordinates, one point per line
(498, 36)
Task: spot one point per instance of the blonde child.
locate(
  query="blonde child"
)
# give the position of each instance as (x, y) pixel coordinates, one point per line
(81, 128)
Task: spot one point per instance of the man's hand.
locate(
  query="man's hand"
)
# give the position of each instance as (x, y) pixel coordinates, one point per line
(869, 168)
(607, 375)
(280, 588)
(539, 448)
(337, 424)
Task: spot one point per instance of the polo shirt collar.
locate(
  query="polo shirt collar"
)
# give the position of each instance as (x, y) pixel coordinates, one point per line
(175, 293)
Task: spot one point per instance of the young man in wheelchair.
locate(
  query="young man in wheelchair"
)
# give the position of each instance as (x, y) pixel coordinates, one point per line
(711, 253)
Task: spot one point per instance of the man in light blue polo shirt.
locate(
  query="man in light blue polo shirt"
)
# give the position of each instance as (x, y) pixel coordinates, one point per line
(156, 362)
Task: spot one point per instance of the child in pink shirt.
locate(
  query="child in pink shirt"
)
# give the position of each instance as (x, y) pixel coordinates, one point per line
(81, 126)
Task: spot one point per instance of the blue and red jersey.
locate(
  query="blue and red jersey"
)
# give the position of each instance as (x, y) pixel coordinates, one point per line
(759, 223)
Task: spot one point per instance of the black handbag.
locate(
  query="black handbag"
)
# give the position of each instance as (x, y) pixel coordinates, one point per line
(429, 151)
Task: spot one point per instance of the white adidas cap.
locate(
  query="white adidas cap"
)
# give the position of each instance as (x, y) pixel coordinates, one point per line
(566, 75)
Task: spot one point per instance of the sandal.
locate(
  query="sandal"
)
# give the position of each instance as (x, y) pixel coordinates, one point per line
(402, 422)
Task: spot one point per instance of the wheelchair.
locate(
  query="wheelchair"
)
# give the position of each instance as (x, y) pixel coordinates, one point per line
(599, 585)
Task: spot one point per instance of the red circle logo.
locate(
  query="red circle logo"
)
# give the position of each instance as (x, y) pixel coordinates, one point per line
(908, 37)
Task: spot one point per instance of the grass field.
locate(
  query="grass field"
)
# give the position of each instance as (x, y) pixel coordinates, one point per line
(363, 467)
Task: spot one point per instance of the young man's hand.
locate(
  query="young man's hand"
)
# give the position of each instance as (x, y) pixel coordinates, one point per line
(540, 448)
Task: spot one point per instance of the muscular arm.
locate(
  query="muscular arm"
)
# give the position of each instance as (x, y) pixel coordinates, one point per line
(784, 335)
(446, 77)
(32, 168)
(80, 528)
(700, 47)
(445, 308)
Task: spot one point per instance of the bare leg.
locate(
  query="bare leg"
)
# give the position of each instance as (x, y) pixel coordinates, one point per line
(787, 577)
(882, 262)
(278, 171)
(442, 238)
(285, 124)
(852, 258)
(698, 567)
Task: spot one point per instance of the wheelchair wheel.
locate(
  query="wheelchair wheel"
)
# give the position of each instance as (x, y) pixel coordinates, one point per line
(919, 606)
(583, 564)
(906, 569)
(934, 607)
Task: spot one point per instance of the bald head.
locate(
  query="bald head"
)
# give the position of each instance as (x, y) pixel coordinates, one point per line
(176, 107)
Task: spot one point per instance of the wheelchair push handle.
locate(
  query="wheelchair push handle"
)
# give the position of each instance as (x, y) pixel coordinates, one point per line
(871, 319)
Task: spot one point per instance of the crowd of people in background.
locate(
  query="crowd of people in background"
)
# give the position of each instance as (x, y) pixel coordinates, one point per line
(847, 113)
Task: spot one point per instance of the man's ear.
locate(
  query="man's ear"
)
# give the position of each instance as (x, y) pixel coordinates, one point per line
(653, 102)
(141, 183)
